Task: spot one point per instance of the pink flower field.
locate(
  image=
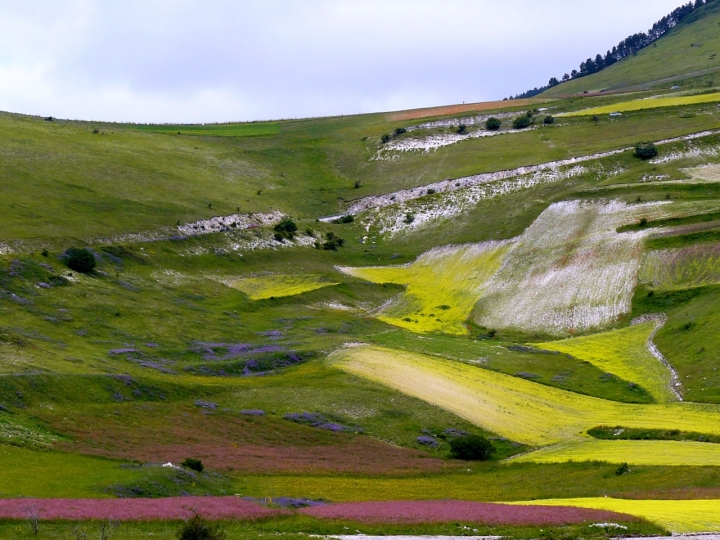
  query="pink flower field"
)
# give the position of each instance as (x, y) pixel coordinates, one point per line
(463, 511)
(134, 509)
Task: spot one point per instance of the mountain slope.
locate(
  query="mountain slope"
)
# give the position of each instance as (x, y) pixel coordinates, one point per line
(687, 57)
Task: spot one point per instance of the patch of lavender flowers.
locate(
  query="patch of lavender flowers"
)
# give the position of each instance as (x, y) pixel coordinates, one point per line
(253, 412)
(320, 421)
(426, 440)
(205, 404)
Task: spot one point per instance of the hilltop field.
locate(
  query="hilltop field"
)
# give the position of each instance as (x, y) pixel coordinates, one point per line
(318, 310)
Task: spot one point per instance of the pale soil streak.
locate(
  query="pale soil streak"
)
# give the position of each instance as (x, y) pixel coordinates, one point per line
(660, 320)
(381, 201)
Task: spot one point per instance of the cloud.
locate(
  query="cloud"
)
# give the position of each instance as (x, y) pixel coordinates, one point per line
(219, 60)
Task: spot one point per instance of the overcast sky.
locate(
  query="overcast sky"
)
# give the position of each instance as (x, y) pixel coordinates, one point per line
(225, 60)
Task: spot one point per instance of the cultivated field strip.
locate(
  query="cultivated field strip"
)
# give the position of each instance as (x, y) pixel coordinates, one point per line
(624, 353)
(520, 410)
(653, 453)
(443, 285)
(278, 285)
(679, 517)
(569, 271)
(692, 266)
(648, 103)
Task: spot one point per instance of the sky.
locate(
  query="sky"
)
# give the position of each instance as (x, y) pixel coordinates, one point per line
(199, 61)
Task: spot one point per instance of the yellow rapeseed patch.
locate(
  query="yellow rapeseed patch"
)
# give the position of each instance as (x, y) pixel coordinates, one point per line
(278, 285)
(679, 517)
(653, 103)
(623, 353)
(520, 410)
(443, 285)
(661, 453)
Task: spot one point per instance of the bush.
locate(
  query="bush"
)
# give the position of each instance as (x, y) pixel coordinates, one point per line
(333, 242)
(285, 229)
(385, 138)
(193, 464)
(471, 448)
(400, 131)
(349, 218)
(622, 469)
(548, 120)
(81, 260)
(493, 124)
(645, 150)
(462, 128)
(521, 122)
(198, 528)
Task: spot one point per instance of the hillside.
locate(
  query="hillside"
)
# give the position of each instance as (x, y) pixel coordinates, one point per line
(319, 310)
(686, 57)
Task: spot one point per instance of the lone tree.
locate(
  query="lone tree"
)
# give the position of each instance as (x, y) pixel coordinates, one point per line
(80, 259)
(521, 122)
(646, 150)
(471, 448)
(493, 124)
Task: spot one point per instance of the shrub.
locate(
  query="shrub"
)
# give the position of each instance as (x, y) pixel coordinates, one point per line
(198, 528)
(81, 260)
(400, 131)
(548, 120)
(521, 122)
(345, 219)
(409, 218)
(193, 464)
(622, 469)
(471, 448)
(462, 128)
(646, 150)
(333, 242)
(385, 138)
(285, 229)
(493, 124)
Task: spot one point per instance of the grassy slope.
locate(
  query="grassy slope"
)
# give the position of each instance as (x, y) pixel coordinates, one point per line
(685, 53)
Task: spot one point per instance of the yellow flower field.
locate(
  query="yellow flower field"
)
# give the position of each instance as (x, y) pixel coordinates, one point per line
(679, 517)
(443, 285)
(653, 103)
(623, 353)
(520, 410)
(278, 285)
(661, 453)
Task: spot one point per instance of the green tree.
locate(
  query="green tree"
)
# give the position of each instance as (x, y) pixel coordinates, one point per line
(493, 124)
(80, 259)
(471, 448)
(646, 150)
(521, 122)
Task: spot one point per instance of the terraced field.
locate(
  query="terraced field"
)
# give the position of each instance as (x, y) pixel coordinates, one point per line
(277, 286)
(442, 286)
(658, 453)
(623, 352)
(651, 103)
(680, 517)
(519, 410)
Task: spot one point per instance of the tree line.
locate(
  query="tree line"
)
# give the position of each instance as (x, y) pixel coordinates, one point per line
(627, 47)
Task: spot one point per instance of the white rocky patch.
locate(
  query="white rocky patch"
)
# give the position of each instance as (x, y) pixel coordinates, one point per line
(227, 223)
(394, 220)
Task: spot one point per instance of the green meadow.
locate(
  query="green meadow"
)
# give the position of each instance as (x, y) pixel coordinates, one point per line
(341, 361)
